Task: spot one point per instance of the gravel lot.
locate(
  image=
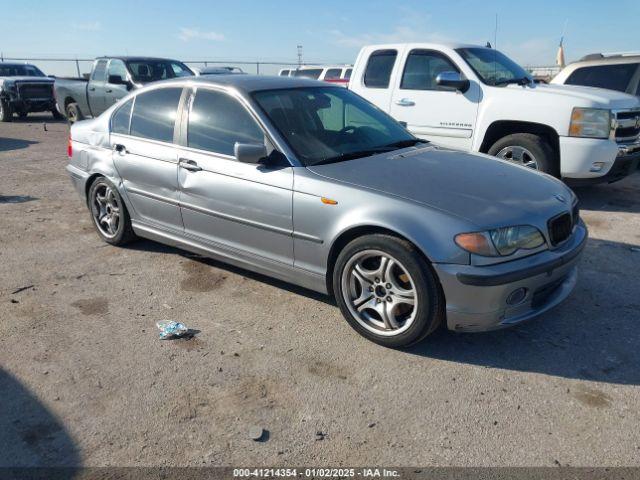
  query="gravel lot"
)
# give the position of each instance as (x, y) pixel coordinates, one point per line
(84, 378)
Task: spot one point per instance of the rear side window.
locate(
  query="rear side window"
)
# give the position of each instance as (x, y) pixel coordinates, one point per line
(99, 71)
(347, 74)
(154, 114)
(333, 74)
(422, 69)
(217, 121)
(313, 73)
(613, 77)
(284, 73)
(120, 120)
(379, 68)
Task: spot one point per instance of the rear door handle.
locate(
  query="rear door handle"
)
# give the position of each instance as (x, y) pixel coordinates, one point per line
(121, 149)
(109, 90)
(190, 165)
(92, 89)
(405, 102)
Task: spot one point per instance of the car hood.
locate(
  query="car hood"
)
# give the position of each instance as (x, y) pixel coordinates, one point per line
(598, 97)
(483, 190)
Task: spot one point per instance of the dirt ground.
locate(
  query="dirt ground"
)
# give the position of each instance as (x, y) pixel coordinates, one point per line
(84, 379)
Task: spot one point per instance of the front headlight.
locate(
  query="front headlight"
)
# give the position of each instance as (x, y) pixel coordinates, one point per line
(501, 242)
(590, 122)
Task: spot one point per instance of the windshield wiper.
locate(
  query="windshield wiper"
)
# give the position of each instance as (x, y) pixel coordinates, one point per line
(354, 155)
(406, 143)
(518, 81)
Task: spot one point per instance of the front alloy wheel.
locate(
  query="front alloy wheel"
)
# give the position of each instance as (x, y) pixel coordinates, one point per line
(519, 155)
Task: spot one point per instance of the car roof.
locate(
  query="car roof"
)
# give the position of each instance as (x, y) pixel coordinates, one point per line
(136, 59)
(16, 64)
(431, 45)
(590, 60)
(248, 83)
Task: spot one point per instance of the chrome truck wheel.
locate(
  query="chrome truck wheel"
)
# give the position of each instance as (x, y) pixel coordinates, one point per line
(519, 155)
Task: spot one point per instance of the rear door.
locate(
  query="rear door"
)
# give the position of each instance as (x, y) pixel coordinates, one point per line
(146, 157)
(376, 81)
(441, 114)
(238, 206)
(96, 88)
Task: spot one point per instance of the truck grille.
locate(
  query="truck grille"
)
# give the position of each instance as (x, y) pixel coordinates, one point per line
(29, 91)
(627, 125)
(560, 228)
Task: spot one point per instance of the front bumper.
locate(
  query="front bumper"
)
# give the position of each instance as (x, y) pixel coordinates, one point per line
(32, 105)
(586, 161)
(476, 296)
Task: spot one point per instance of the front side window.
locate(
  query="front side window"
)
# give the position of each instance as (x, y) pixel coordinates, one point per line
(146, 71)
(379, 68)
(118, 69)
(493, 68)
(99, 71)
(154, 114)
(613, 77)
(313, 73)
(422, 69)
(121, 118)
(324, 124)
(333, 74)
(217, 121)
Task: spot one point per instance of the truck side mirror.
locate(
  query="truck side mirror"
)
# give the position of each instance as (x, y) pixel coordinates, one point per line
(118, 80)
(453, 80)
(249, 152)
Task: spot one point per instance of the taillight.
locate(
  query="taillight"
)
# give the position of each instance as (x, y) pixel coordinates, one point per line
(69, 147)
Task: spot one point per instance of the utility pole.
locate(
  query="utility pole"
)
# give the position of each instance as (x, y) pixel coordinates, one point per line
(299, 56)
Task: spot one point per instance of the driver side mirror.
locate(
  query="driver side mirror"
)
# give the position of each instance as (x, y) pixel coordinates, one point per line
(118, 80)
(453, 80)
(249, 152)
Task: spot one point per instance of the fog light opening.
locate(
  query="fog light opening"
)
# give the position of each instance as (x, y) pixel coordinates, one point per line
(517, 296)
(596, 166)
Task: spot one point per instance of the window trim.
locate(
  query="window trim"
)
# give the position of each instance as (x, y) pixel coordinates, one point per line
(393, 67)
(115, 112)
(437, 89)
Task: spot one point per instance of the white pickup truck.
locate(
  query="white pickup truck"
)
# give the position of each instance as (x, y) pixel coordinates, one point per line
(476, 98)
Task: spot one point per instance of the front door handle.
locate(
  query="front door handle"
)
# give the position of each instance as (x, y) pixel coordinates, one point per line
(190, 165)
(108, 90)
(92, 89)
(405, 102)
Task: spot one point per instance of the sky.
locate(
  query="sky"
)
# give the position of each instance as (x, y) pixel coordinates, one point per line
(330, 31)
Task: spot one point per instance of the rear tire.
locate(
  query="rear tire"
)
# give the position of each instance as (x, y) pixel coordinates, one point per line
(74, 114)
(394, 302)
(528, 150)
(109, 213)
(6, 115)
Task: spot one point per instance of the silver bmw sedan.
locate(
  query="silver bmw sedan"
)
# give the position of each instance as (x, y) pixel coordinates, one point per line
(311, 184)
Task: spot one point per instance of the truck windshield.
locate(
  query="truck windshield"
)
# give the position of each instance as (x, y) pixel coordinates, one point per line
(146, 71)
(327, 124)
(493, 68)
(7, 70)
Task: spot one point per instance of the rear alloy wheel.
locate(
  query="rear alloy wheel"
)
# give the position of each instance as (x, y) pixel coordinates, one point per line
(109, 213)
(527, 150)
(387, 291)
(6, 115)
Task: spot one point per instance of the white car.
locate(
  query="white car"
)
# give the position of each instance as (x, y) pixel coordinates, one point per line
(339, 74)
(615, 71)
(475, 98)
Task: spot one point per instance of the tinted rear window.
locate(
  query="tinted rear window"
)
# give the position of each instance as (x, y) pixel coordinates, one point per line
(347, 74)
(613, 77)
(313, 73)
(120, 119)
(333, 74)
(154, 114)
(379, 68)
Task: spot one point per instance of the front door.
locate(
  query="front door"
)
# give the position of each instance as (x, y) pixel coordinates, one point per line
(146, 157)
(440, 114)
(96, 88)
(243, 208)
(115, 91)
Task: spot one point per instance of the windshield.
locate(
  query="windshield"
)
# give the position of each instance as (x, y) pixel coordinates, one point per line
(20, 71)
(327, 124)
(493, 68)
(145, 71)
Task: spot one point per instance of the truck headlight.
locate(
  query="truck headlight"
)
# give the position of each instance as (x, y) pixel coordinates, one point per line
(501, 241)
(590, 122)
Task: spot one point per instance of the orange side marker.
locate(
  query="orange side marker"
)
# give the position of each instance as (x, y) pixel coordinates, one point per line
(328, 201)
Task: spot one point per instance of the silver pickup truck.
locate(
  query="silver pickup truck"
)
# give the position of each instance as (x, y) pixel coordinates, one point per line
(24, 89)
(112, 78)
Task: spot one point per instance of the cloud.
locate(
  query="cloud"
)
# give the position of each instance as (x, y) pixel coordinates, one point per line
(187, 34)
(88, 26)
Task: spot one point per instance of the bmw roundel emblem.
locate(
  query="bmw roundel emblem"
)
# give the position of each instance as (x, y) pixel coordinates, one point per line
(560, 198)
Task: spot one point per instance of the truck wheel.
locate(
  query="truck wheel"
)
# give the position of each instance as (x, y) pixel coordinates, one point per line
(528, 150)
(6, 115)
(56, 114)
(73, 113)
(387, 291)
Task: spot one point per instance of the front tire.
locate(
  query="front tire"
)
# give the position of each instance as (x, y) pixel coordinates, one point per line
(6, 115)
(387, 291)
(109, 213)
(528, 150)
